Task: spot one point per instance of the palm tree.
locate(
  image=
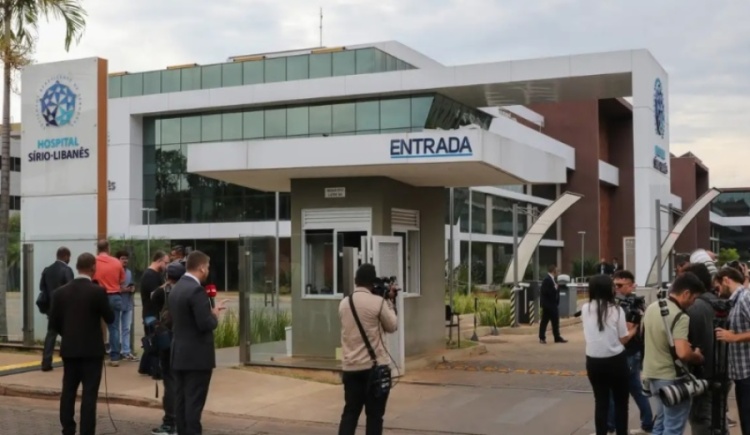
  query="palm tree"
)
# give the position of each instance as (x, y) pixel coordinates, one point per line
(19, 23)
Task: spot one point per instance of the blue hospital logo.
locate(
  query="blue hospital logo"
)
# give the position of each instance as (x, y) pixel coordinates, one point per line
(58, 104)
(659, 110)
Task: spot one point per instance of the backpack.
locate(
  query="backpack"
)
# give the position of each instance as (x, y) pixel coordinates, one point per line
(163, 329)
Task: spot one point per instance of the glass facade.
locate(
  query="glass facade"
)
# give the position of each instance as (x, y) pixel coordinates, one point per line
(187, 198)
(732, 204)
(277, 69)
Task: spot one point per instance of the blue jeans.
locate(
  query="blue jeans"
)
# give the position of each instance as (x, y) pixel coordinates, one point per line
(126, 322)
(636, 392)
(115, 347)
(670, 420)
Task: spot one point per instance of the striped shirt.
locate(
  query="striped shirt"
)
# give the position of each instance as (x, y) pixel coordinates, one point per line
(739, 323)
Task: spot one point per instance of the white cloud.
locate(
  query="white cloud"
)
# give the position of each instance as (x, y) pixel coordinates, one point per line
(705, 46)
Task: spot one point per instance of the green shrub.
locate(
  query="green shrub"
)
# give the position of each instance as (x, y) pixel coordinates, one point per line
(489, 317)
(266, 325)
(464, 304)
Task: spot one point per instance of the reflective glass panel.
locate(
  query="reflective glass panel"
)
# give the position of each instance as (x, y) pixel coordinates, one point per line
(320, 119)
(211, 77)
(152, 82)
(343, 63)
(191, 78)
(191, 129)
(211, 128)
(366, 60)
(275, 70)
(231, 126)
(368, 115)
(420, 108)
(252, 125)
(297, 121)
(170, 131)
(298, 67)
(150, 134)
(395, 113)
(320, 65)
(132, 85)
(231, 74)
(115, 87)
(275, 123)
(344, 118)
(170, 81)
(252, 72)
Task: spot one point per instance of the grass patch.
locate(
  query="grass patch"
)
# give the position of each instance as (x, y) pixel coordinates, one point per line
(465, 344)
(266, 325)
(489, 311)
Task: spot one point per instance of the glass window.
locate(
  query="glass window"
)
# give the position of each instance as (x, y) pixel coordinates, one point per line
(400, 65)
(231, 74)
(320, 119)
(366, 60)
(297, 121)
(420, 108)
(211, 128)
(318, 255)
(298, 67)
(132, 85)
(275, 70)
(368, 116)
(343, 63)
(395, 113)
(169, 161)
(252, 125)
(380, 61)
(149, 185)
(320, 65)
(115, 87)
(149, 159)
(275, 123)
(344, 118)
(170, 131)
(151, 131)
(231, 126)
(252, 72)
(170, 80)
(191, 129)
(152, 82)
(191, 78)
(211, 77)
(390, 63)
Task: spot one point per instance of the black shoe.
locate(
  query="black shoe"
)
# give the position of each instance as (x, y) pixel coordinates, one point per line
(560, 340)
(46, 368)
(543, 341)
(164, 430)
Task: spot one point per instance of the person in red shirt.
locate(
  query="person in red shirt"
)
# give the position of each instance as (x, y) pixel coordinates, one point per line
(110, 274)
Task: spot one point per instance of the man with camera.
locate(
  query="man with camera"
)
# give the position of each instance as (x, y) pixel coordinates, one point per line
(634, 308)
(662, 365)
(365, 314)
(738, 338)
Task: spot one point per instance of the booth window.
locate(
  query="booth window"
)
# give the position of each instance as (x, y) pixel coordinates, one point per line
(324, 259)
(406, 226)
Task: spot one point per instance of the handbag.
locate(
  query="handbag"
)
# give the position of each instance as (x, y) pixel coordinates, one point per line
(380, 380)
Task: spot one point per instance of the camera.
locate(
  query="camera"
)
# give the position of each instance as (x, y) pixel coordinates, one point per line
(634, 307)
(382, 286)
(672, 395)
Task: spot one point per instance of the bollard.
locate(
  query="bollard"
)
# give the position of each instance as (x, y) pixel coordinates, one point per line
(474, 337)
(532, 312)
(494, 324)
(513, 318)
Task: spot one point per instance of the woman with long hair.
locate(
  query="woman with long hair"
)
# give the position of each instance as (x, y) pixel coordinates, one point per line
(606, 333)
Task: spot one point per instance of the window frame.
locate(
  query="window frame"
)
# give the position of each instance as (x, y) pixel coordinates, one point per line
(410, 234)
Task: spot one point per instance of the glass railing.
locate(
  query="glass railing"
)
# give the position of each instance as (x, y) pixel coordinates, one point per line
(251, 72)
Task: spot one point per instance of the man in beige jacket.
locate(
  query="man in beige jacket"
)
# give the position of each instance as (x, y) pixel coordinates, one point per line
(377, 316)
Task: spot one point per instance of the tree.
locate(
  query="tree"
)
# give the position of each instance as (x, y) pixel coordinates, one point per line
(20, 20)
(727, 255)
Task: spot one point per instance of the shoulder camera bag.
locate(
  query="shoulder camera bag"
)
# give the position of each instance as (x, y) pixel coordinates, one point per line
(380, 375)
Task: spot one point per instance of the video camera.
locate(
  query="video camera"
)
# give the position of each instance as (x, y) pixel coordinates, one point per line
(383, 285)
(634, 307)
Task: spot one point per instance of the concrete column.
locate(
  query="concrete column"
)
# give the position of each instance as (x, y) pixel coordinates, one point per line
(488, 213)
(489, 261)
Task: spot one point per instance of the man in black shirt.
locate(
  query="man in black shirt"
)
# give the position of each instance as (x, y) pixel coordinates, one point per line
(152, 279)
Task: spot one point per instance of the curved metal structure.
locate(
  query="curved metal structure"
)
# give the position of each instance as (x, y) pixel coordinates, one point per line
(669, 242)
(530, 241)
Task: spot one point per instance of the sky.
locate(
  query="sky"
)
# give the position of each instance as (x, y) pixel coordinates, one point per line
(703, 45)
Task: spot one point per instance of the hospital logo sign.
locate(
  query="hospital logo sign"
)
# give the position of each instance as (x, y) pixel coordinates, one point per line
(59, 102)
(660, 114)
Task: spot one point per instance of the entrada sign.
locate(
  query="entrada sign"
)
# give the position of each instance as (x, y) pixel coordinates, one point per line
(418, 147)
(660, 160)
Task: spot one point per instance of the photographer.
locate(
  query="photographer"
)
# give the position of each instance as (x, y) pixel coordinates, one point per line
(364, 316)
(659, 364)
(701, 335)
(731, 282)
(634, 309)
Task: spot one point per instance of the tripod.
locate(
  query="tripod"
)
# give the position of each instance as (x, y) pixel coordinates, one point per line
(720, 379)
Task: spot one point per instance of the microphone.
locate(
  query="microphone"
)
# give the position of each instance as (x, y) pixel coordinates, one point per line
(211, 292)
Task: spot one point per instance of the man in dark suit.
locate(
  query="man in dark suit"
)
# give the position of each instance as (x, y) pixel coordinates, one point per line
(605, 268)
(78, 309)
(193, 356)
(549, 299)
(53, 277)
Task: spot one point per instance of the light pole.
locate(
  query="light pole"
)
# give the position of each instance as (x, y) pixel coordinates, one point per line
(148, 231)
(583, 244)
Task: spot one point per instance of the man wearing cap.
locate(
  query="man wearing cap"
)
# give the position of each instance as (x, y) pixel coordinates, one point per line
(160, 304)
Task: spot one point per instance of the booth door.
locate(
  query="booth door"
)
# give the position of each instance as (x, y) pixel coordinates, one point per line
(387, 257)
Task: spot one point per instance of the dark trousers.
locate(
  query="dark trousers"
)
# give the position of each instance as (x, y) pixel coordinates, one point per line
(550, 314)
(357, 395)
(167, 399)
(88, 373)
(742, 393)
(191, 390)
(609, 377)
(49, 346)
